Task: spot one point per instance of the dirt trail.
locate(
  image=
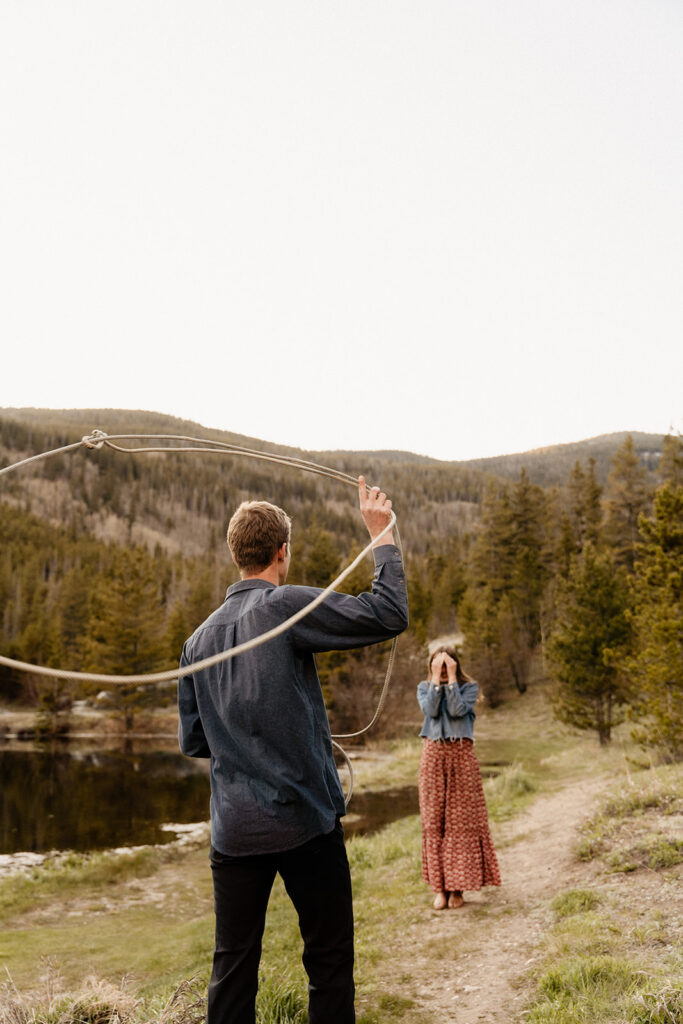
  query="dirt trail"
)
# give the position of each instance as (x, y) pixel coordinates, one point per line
(493, 936)
(462, 966)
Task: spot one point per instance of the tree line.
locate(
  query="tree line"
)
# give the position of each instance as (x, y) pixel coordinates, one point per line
(591, 581)
(128, 556)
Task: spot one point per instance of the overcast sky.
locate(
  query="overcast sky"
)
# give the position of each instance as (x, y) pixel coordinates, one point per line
(453, 227)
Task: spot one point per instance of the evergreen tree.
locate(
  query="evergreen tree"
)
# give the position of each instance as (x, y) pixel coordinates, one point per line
(657, 663)
(321, 562)
(74, 608)
(420, 601)
(584, 509)
(565, 547)
(198, 599)
(360, 580)
(485, 654)
(492, 551)
(528, 566)
(627, 498)
(510, 566)
(589, 637)
(447, 583)
(671, 462)
(124, 631)
(177, 630)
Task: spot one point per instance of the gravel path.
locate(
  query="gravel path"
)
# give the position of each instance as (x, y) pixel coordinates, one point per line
(469, 962)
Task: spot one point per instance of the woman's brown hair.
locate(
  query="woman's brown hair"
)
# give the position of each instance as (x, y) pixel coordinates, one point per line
(452, 652)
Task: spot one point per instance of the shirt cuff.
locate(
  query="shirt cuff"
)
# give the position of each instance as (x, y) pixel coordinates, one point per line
(386, 553)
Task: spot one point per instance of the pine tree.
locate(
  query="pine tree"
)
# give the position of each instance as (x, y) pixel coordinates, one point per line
(420, 600)
(360, 580)
(486, 659)
(657, 664)
(589, 637)
(671, 462)
(492, 552)
(321, 562)
(528, 568)
(74, 608)
(627, 498)
(447, 583)
(196, 602)
(584, 510)
(509, 563)
(124, 631)
(592, 505)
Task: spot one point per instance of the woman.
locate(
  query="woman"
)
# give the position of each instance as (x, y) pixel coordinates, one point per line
(457, 852)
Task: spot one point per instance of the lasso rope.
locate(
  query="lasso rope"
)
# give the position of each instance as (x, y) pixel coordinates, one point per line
(96, 440)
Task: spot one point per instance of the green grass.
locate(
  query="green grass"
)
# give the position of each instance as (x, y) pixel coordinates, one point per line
(80, 912)
(75, 872)
(659, 1003)
(509, 792)
(605, 961)
(596, 979)
(387, 765)
(279, 1002)
(574, 901)
(85, 915)
(597, 971)
(155, 946)
(655, 852)
(622, 834)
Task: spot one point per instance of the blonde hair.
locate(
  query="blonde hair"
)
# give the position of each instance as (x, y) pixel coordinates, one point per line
(256, 532)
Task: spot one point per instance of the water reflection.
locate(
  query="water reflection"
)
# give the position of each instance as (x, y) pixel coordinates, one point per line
(89, 800)
(368, 812)
(81, 797)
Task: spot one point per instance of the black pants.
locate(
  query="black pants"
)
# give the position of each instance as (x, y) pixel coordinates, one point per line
(317, 878)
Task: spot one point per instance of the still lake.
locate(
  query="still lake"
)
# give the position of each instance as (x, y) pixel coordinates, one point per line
(79, 797)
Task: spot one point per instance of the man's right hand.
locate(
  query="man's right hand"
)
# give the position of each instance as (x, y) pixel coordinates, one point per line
(375, 509)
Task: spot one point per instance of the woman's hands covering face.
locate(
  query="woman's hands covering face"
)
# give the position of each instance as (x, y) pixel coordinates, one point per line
(443, 669)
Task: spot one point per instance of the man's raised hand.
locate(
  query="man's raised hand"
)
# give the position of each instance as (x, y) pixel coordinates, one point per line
(375, 509)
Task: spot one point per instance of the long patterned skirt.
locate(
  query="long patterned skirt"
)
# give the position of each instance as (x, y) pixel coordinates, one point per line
(457, 851)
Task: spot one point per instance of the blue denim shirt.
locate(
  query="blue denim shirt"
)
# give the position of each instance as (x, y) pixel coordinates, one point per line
(260, 717)
(448, 710)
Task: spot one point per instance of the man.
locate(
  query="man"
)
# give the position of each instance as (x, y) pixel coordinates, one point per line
(276, 799)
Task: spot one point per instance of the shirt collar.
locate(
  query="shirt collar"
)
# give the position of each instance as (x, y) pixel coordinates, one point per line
(253, 584)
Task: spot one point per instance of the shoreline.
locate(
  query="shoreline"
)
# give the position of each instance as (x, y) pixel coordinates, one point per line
(23, 862)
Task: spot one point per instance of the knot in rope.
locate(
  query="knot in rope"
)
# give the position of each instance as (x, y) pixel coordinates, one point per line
(94, 440)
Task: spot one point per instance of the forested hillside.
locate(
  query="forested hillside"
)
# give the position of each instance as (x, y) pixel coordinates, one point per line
(109, 560)
(183, 501)
(551, 466)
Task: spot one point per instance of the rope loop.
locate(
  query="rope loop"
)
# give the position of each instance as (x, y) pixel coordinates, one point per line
(96, 440)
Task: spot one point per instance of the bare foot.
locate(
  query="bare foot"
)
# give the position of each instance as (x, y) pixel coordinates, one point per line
(440, 901)
(455, 900)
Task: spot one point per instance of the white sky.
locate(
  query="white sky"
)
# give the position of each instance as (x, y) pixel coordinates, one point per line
(454, 227)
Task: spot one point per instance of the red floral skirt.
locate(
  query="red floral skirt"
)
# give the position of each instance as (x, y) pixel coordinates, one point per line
(457, 851)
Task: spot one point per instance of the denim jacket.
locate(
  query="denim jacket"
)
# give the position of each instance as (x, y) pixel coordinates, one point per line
(448, 710)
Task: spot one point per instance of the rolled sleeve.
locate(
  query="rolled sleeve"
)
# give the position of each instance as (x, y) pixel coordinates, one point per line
(460, 701)
(343, 621)
(429, 698)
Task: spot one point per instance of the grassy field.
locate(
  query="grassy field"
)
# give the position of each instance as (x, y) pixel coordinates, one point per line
(127, 937)
(613, 952)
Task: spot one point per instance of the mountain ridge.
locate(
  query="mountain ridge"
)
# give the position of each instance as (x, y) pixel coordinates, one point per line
(547, 465)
